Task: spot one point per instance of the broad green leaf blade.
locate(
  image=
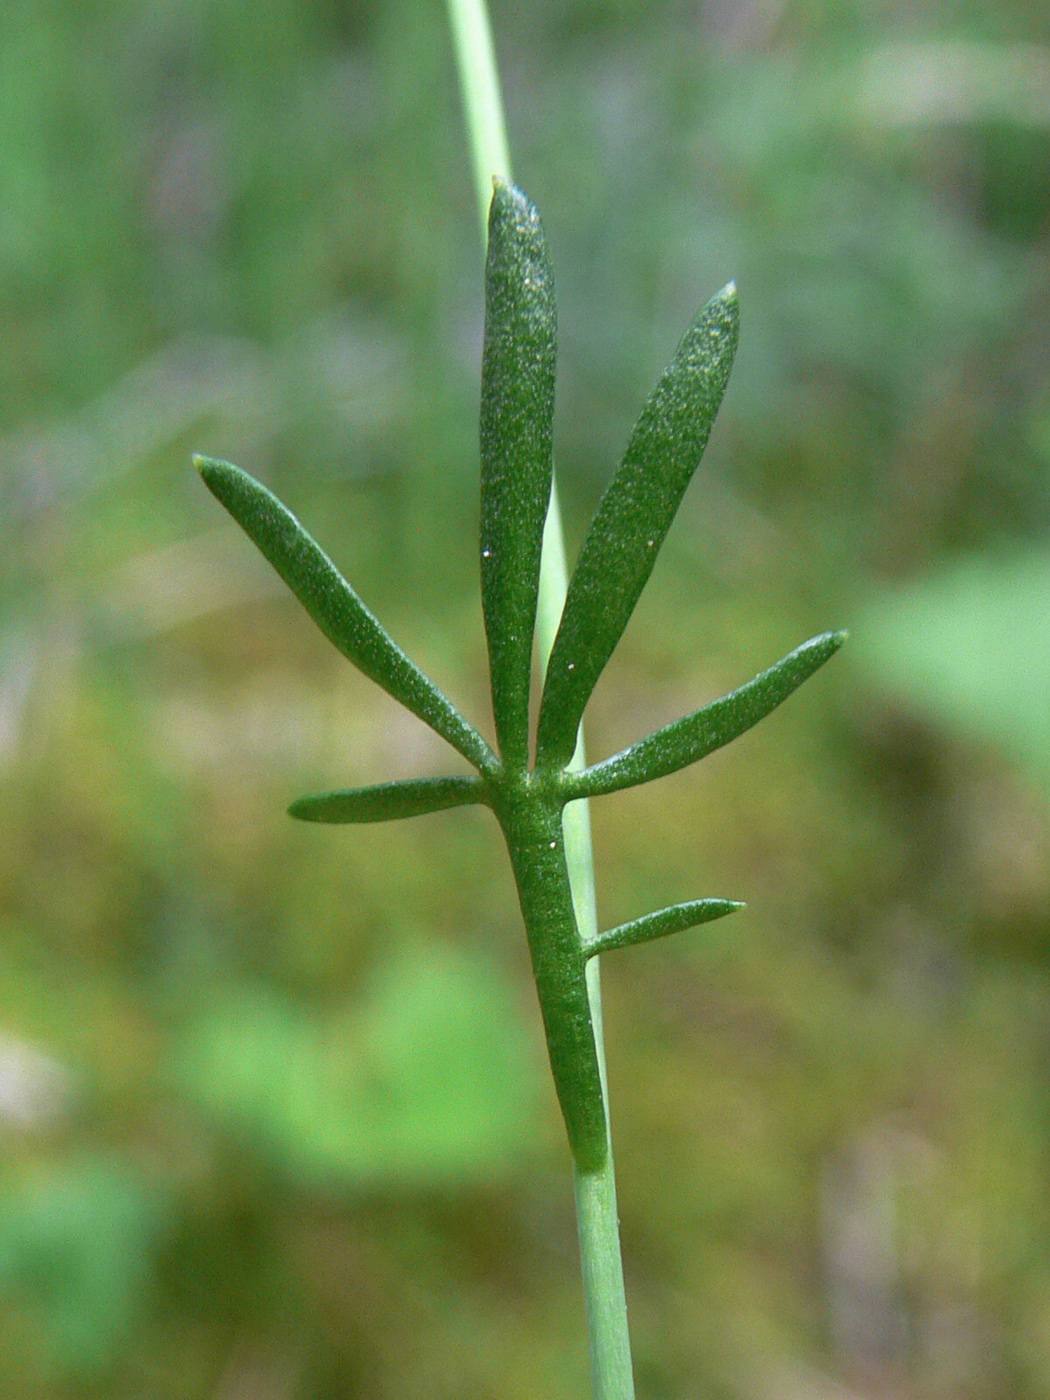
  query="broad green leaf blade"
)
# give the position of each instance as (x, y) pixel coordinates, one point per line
(517, 411)
(389, 801)
(334, 605)
(689, 739)
(674, 919)
(632, 520)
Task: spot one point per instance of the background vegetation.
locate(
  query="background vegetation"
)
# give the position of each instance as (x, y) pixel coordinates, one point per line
(274, 1117)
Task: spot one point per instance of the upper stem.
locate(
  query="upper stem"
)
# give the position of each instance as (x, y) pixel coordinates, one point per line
(483, 104)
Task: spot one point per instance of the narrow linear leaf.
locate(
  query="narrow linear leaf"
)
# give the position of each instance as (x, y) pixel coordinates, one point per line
(689, 739)
(674, 919)
(335, 607)
(632, 520)
(389, 801)
(517, 411)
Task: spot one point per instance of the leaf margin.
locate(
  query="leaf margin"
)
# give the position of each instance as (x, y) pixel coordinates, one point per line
(325, 594)
(417, 796)
(633, 518)
(675, 918)
(633, 766)
(516, 430)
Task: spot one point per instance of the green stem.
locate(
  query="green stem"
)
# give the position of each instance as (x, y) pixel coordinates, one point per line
(596, 1211)
(482, 103)
(599, 1230)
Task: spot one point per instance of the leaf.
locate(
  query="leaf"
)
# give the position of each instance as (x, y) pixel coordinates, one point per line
(517, 411)
(689, 739)
(632, 520)
(674, 919)
(389, 801)
(335, 607)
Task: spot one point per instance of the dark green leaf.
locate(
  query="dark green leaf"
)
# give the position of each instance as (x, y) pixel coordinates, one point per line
(689, 739)
(389, 801)
(334, 605)
(632, 520)
(517, 410)
(674, 919)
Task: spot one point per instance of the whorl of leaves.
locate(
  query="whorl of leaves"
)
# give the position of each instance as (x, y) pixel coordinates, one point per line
(615, 561)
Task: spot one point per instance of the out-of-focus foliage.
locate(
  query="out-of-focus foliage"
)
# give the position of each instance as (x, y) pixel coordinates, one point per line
(274, 1120)
(970, 643)
(422, 1083)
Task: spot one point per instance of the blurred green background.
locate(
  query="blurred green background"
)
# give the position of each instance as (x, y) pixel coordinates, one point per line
(274, 1115)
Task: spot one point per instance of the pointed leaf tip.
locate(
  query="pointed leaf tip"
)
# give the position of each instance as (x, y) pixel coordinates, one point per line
(633, 519)
(689, 739)
(334, 605)
(389, 801)
(675, 919)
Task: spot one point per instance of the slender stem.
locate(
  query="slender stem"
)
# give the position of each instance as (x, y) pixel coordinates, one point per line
(482, 103)
(599, 1230)
(596, 1213)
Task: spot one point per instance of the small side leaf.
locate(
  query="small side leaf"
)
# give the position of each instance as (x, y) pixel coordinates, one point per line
(389, 801)
(335, 607)
(632, 520)
(517, 410)
(689, 739)
(674, 919)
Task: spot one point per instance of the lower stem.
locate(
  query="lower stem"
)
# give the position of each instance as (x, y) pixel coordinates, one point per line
(597, 1218)
(599, 1230)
